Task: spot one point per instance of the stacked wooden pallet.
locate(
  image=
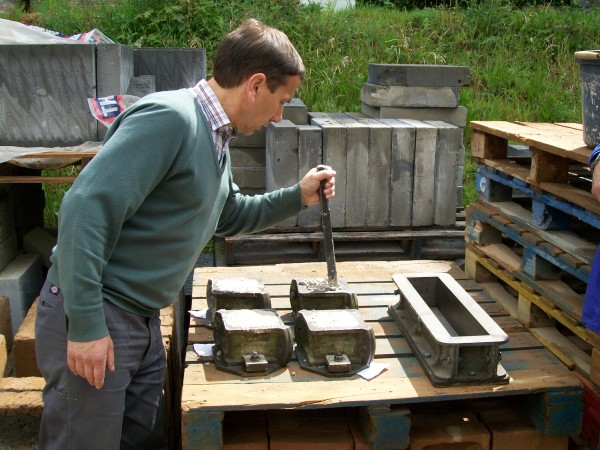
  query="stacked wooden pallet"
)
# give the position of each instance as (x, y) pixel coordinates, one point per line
(532, 235)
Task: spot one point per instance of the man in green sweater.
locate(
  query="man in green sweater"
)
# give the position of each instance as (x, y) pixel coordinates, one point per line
(132, 227)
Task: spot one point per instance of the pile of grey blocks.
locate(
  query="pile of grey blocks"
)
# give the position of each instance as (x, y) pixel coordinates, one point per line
(390, 172)
(415, 91)
(399, 162)
(44, 88)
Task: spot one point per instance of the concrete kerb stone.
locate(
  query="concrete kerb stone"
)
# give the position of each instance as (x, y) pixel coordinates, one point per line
(409, 96)
(21, 282)
(427, 75)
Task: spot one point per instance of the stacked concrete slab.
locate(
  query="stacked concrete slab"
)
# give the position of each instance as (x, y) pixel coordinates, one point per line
(390, 172)
(415, 91)
(172, 68)
(420, 92)
(44, 88)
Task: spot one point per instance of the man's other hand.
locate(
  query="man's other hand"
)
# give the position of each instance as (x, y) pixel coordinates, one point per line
(90, 359)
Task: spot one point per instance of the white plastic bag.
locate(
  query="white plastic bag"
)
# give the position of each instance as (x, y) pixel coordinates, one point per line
(18, 33)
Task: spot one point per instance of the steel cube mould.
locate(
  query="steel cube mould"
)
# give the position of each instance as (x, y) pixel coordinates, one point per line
(317, 293)
(454, 339)
(235, 293)
(251, 342)
(334, 343)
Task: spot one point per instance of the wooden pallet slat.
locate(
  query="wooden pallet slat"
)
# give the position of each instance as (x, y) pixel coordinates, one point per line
(540, 258)
(271, 248)
(556, 139)
(572, 201)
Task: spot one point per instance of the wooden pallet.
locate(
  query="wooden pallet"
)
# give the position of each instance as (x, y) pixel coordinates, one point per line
(306, 246)
(550, 211)
(577, 346)
(555, 149)
(547, 393)
(544, 254)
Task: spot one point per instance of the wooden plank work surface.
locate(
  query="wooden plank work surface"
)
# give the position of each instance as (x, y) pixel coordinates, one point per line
(55, 156)
(547, 392)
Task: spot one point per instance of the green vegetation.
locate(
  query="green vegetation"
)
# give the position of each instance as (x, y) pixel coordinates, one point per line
(521, 58)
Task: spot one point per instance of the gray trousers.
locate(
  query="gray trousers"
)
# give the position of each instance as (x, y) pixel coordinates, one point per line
(126, 413)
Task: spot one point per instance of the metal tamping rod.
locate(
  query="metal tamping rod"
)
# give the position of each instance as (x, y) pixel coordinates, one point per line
(327, 234)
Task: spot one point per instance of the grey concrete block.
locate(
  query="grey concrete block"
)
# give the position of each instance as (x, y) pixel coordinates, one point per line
(409, 96)
(281, 155)
(454, 116)
(402, 171)
(310, 154)
(316, 115)
(39, 241)
(357, 169)
(518, 151)
(7, 216)
(460, 156)
(335, 156)
(448, 144)
(379, 173)
(174, 68)
(423, 204)
(8, 250)
(21, 282)
(296, 112)
(459, 175)
(43, 94)
(247, 157)
(114, 64)
(281, 167)
(460, 196)
(142, 85)
(249, 177)
(419, 75)
(257, 139)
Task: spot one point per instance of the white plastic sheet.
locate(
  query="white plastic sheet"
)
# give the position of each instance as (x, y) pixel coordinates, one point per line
(19, 33)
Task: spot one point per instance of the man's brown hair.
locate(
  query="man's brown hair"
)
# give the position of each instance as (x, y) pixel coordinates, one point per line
(252, 48)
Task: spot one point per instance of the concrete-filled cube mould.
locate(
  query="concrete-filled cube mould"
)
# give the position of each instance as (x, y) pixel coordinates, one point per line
(454, 339)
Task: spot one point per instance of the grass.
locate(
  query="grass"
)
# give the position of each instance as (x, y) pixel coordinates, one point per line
(521, 59)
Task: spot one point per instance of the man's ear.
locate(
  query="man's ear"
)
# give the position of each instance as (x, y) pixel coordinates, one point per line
(254, 83)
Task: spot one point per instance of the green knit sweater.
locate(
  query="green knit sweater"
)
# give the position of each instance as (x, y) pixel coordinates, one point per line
(136, 219)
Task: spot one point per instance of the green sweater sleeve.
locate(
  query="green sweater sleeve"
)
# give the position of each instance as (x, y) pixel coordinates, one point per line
(245, 214)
